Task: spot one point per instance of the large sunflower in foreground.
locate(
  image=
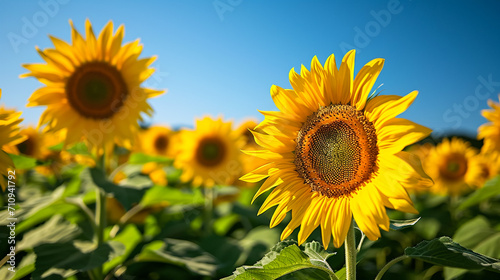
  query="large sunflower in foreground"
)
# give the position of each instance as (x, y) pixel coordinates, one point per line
(453, 167)
(490, 132)
(92, 87)
(9, 136)
(249, 163)
(335, 153)
(210, 154)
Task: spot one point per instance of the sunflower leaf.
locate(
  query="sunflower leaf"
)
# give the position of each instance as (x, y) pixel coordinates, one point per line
(54, 230)
(444, 252)
(401, 224)
(478, 235)
(181, 253)
(317, 254)
(25, 267)
(23, 162)
(140, 158)
(130, 237)
(159, 194)
(79, 149)
(286, 260)
(66, 259)
(491, 188)
(126, 195)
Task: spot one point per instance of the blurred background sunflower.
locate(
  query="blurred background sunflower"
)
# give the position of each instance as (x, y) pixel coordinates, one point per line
(210, 153)
(92, 88)
(490, 132)
(452, 166)
(9, 136)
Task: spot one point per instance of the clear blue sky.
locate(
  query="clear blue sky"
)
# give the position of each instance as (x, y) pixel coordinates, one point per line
(221, 57)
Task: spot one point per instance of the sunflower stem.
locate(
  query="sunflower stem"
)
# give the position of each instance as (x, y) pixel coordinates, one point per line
(388, 265)
(209, 209)
(350, 253)
(100, 215)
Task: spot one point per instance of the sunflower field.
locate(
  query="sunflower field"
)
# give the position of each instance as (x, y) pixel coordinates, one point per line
(333, 185)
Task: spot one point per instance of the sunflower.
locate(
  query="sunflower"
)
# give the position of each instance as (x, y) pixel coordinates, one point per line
(421, 152)
(92, 88)
(249, 163)
(209, 154)
(156, 140)
(9, 136)
(452, 166)
(333, 152)
(490, 132)
(489, 164)
(33, 143)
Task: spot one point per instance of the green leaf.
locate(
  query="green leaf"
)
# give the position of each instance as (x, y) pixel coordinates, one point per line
(34, 211)
(23, 162)
(130, 236)
(478, 235)
(66, 259)
(159, 194)
(57, 148)
(140, 158)
(223, 224)
(181, 253)
(491, 188)
(126, 195)
(79, 149)
(341, 273)
(55, 230)
(401, 224)
(287, 260)
(444, 252)
(317, 254)
(256, 243)
(225, 250)
(25, 267)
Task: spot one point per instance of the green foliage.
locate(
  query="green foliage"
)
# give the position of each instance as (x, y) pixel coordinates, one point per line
(444, 252)
(181, 253)
(66, 259)
(126, 195)
(23, 162)
(490, 189)
(479, 236)
(55, 230)
(289, 261)
(158, 194)
(140, 158)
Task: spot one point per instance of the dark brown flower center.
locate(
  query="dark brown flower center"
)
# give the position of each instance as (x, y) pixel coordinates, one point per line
(454, 167)
(96, 90)
(27, 147)
(161, 143)
(336, 150)
(210, 151)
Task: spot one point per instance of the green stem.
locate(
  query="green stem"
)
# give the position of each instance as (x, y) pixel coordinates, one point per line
(80, 204)
(388, 265)
(350, 253)
(100, 221)
(100, 215)
(124, 219)
(209, 209)
(363, 236)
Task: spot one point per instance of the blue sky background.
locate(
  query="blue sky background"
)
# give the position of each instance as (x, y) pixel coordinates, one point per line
(221, 57)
